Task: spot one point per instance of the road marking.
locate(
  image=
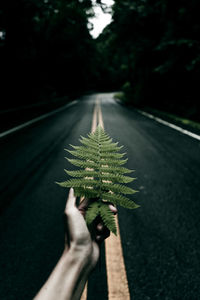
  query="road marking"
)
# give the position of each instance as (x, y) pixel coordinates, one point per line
(93, 128)
(184, 131)
(94, 118)
(21, 126)
(100, 115)
(116, 273)
(84, 294)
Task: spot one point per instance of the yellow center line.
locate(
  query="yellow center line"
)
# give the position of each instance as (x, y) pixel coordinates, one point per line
(93, 128)
(84, 295)
(94, 119)
(100, 117)
(116, 273)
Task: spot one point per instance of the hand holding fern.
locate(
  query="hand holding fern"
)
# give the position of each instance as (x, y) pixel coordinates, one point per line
(100, 231)
(100, 178)
(79, 257)
(77, 237)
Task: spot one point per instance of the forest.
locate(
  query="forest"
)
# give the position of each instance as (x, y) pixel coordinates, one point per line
(150, 52)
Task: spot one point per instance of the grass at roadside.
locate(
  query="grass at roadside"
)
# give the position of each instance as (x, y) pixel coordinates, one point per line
(162, 114)
(120, 96)
(173, 117)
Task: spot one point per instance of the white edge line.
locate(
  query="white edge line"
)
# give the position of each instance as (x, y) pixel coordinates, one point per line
(7, 132)
(184, 131)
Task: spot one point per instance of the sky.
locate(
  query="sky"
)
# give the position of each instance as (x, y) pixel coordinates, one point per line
(101, 20)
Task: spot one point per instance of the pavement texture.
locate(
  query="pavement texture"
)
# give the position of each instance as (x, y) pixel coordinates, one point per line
(160, 240)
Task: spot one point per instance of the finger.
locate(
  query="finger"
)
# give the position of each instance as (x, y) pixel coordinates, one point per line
(67, 237)
(113, 209)
(69, 203)
(76, 226)
(100, 227)
(100, 237)
(101, 231)
(71, 200)
(83, 206)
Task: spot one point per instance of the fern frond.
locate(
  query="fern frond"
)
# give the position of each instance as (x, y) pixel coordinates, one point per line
(108, 218)
(79, 182)
(116, 178)
(119, 200)
(117, 188)
(92, 212)
(100, 176)
(89, 143)
(85, 192)
(84, 155)
(82, 164)
(109, 145)
(111, 169)
(107, 155)
(83, 149)
(82, 173)
(111, 148)
(112, 162)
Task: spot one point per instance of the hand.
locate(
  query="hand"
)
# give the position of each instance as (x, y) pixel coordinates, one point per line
(78, 238)
(67, 280)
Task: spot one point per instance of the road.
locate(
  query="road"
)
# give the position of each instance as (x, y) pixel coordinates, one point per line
(160, 240)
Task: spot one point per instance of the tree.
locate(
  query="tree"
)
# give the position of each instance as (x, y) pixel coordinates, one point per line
(43, 41)
(155, 47)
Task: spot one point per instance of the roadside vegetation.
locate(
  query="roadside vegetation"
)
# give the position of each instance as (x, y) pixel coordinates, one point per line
(153, 49)
(174, 118)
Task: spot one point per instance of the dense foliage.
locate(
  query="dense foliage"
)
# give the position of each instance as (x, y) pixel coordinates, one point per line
(45, 47)
(153, 49)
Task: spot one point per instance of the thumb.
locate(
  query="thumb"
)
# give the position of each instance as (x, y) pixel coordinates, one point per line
(71, 201)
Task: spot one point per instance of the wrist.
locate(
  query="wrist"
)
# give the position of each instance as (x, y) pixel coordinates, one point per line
(70, 273)
(79, 257)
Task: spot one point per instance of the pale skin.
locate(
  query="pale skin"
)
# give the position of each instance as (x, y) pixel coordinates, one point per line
(80, 255)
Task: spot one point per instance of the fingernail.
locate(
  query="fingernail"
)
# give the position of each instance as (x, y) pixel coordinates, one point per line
(99, 227)
(71, 191)
(98, 237)
(113, 208)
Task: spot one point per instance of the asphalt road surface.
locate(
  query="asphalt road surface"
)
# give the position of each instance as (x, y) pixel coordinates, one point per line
(160, 240)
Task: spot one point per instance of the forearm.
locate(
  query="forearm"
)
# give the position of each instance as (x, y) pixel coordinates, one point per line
(67, 280)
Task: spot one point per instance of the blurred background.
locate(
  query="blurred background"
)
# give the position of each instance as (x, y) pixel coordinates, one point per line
(50, 52)
(111, 57)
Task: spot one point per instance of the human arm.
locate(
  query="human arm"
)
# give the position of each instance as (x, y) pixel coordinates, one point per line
(79, 257)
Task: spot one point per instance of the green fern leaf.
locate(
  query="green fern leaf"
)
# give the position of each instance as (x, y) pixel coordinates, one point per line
(83, 155)
(108, 218)
(89, 143)
(100, 176)
(107, 155)
(92, 212)
(82, 164)
(85, 192)
(116, 178)
(120, 200)
(79, 182)
(83, 149)
(117, 188)
(82, 173)
(113, 162)
(114, 170)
